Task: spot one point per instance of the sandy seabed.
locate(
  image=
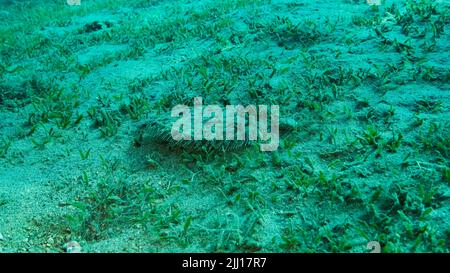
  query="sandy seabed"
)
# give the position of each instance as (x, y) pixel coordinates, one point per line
(85, 152)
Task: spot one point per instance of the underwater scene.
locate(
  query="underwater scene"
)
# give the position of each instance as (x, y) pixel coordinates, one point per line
(224, 126)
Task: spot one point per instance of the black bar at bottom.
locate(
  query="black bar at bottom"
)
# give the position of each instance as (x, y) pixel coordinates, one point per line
(223, 262)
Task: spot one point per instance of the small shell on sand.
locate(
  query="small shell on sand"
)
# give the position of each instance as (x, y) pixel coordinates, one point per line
(374, 2)
(73, 247)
